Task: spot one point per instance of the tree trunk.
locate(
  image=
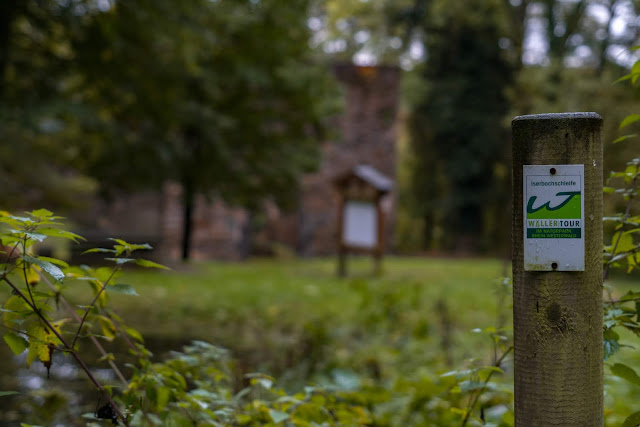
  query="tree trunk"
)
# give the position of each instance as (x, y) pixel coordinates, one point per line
(188, 200)
(8, 9)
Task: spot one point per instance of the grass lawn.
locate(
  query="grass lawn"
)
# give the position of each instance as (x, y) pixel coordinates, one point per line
(203, 295)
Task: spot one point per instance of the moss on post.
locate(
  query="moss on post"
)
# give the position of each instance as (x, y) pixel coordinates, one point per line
(558, 315)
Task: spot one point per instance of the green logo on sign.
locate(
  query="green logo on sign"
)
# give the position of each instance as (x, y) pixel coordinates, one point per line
(569, 208)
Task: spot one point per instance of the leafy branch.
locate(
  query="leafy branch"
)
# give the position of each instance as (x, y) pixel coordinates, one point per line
(623, 249)
(66, 347)
(93, 339)
(26, 312)
(91, 306)
(631, 180)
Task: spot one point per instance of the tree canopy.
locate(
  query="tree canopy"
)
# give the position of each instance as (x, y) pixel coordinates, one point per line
(36, 65)
(229, 97)
(221, 96)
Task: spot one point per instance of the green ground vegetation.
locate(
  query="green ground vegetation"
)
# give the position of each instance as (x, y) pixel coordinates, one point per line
(297, 320)
(393, 336)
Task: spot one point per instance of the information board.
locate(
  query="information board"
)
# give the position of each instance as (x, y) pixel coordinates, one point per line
(360, 226)
(553, 212)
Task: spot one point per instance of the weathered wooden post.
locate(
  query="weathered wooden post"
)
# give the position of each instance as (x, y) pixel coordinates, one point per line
(557, 269)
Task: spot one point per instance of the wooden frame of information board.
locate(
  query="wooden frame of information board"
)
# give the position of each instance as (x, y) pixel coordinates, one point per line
(361, 221)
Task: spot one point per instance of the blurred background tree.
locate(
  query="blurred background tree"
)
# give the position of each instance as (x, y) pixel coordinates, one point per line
(229, 98)
(36, 66)
(223, 97)
(457, 132)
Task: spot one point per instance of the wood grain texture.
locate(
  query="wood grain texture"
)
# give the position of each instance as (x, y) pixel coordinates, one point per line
(558, 315)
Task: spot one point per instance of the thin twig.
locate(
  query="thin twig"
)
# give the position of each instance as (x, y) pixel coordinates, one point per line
(93, 339)
(24, 271)
(6, 264)
(125, 336)
(17, 331)
(86, 310)
(484, 386)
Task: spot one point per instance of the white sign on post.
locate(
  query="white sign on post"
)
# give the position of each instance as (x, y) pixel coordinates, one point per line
(553, 212)
(360, 224)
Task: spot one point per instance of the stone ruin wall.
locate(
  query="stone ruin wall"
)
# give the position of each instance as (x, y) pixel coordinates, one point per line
(367, 136)
(156, 218)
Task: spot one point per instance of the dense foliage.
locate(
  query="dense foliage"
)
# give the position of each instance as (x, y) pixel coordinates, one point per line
(222, 97)
(622, 312)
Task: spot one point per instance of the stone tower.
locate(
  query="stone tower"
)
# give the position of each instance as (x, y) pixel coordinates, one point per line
(367, 136)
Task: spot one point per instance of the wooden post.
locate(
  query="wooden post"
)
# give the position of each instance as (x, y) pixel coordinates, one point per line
(378, 251)
(557, 314)
(342, 250)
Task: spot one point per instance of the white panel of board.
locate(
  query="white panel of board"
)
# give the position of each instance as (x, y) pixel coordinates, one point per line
(360, 225)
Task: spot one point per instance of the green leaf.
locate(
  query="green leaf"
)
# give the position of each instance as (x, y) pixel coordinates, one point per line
(490, 369)
(624, 138)
(124, 246)
(107, 357)
(104, 250)
(41, 214)
(630, 296)
(55, 232)
(16, 343)
(622, 79)
(134, 334)
(22, 219)
(144, 246)
(108, 328)
(37, 344)
(55, 261)
(121, 288)
(623, 371)
(611, 344)
(147, 263)
(278, 416)
(635, 72)
(120, 261)
(630, 119)
(54, 271)
(265, 383)
(35, 236)
(633, 420)
(624, 242)
(14, 310)
(469, 385)
(8, 393)
(119, 241)
(458, 374)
